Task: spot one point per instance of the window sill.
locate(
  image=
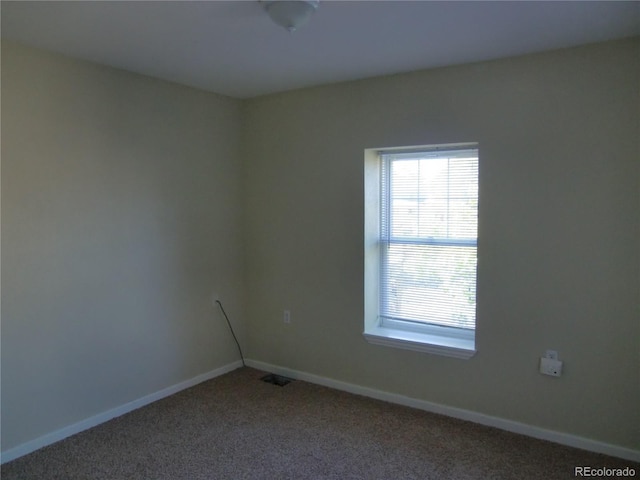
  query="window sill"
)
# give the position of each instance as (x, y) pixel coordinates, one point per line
(445, 345)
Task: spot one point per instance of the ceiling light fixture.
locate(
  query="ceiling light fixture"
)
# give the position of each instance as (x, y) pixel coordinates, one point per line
(291, 14)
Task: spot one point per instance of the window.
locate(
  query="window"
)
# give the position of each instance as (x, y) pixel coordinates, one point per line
(421, 224)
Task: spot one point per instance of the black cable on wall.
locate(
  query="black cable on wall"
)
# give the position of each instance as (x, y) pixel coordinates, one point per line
(232, 332)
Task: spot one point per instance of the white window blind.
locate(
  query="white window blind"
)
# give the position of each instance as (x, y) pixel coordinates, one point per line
(428, 237)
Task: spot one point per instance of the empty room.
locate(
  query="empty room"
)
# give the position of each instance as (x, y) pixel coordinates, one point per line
(320, 240)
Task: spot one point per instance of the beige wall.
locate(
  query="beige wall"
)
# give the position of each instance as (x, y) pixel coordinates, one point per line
(127, 200)
(120, 215)
(558, 240)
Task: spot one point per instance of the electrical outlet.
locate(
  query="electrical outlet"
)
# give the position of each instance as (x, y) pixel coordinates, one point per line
(549, 366)
(287, 317)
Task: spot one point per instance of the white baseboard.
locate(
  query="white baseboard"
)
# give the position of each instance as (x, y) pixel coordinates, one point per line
(501, 423)
(87, 423)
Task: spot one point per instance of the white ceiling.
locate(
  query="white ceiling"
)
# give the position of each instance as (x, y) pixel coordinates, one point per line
(233, 48)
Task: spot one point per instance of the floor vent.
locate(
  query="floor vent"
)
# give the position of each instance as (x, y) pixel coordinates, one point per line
(276, 379)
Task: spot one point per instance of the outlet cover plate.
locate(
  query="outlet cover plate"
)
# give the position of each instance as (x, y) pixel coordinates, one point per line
(549, 366)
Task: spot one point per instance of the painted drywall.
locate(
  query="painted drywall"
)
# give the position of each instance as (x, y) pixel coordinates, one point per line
(120, 215)
(126, 200)
(559, 263)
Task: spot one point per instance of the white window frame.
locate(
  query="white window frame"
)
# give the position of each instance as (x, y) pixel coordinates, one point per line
(435, 339)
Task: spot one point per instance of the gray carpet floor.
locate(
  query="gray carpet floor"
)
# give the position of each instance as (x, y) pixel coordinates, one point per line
(238, 427)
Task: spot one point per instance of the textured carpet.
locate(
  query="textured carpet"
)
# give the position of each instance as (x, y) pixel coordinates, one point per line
(238, 427)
